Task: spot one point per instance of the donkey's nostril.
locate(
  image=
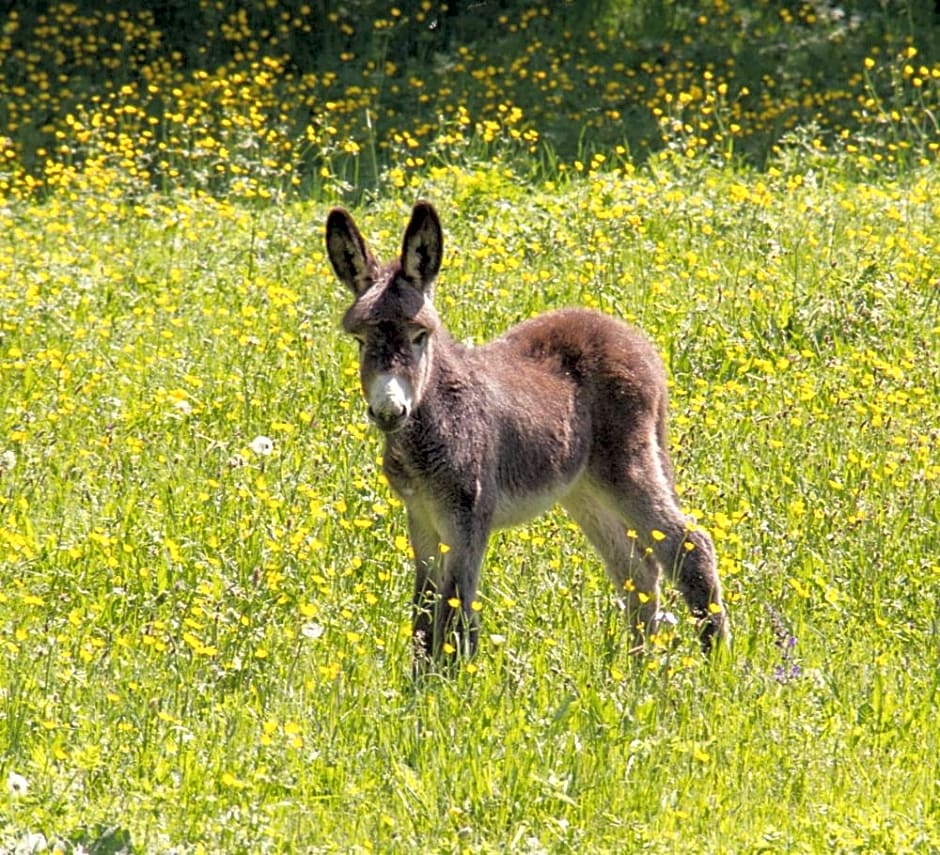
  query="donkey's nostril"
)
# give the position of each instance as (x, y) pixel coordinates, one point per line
(388, 411)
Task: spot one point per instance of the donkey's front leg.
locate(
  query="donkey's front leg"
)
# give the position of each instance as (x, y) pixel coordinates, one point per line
(457, 623)
(428, 573)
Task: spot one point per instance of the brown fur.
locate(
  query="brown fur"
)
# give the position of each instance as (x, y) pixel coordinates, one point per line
(568, 407)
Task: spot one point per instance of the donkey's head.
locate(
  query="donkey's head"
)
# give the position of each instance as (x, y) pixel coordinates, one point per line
(391, 317)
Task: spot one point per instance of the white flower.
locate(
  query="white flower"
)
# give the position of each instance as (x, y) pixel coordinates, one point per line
(17, 785)
(7, 460)
(312, 630)
(663, 618)
(262, 446)
(31, 843)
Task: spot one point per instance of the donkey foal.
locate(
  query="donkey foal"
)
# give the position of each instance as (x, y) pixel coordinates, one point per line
(568, 407)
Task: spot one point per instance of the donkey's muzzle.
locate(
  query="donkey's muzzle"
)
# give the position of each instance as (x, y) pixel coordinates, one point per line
(389, 423)
(389, 399)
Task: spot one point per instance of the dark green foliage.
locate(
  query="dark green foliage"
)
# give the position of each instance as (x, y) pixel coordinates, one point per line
(589, 76)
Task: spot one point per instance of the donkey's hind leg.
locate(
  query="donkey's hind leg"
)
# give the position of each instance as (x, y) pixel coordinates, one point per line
(688, 556)
(640, 486)
(684, 551)
(635, 578)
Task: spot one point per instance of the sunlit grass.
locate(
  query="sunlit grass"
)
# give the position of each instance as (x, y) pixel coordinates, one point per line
(206, 580)
(204, 639)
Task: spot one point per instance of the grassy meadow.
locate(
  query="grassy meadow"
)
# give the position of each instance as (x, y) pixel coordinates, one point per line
(205, 580)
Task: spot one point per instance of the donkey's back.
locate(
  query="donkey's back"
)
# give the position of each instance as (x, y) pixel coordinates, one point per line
(608, 364)
(580, 384)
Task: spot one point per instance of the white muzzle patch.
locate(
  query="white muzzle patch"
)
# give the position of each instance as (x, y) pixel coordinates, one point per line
(390, 402)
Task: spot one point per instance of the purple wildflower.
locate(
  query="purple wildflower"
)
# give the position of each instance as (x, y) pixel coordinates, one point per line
(788, 668)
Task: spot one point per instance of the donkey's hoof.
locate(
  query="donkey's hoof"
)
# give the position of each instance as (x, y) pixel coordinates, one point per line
(714, 633)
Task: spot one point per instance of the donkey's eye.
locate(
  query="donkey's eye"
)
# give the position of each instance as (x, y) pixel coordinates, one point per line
(419, 338)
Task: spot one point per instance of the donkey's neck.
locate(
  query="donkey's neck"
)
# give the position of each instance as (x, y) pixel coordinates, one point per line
(450, 381)
(450, 414)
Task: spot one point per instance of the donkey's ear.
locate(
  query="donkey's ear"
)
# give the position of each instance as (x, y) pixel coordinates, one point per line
(348, 253)
(423, 246)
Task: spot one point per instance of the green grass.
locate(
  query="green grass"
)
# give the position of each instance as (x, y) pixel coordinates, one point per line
(208, 647)
(205, 646)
